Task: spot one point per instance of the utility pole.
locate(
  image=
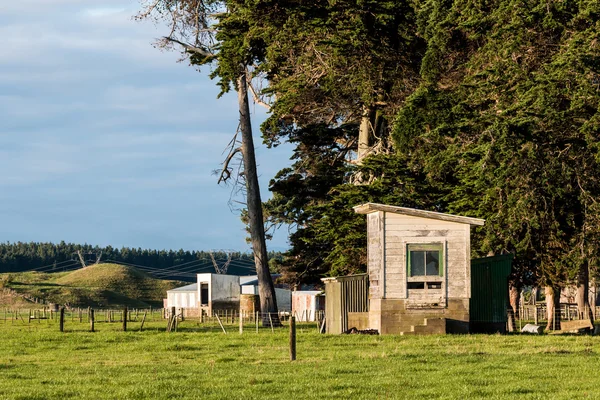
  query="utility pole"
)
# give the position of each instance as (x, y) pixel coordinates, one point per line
(81, 260)
(223, 268)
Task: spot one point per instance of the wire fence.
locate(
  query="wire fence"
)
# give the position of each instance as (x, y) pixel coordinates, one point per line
(157, 319)
(564, 317)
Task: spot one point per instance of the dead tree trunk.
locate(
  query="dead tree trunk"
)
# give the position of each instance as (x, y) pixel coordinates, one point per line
(553, 308)
(266, 289)
(584, 310)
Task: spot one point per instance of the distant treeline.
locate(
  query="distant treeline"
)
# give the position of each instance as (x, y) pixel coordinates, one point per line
(50, 257)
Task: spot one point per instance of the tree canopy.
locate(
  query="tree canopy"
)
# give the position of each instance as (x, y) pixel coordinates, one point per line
(484, 108)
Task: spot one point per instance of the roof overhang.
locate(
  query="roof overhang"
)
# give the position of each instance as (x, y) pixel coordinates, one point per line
(368, 208)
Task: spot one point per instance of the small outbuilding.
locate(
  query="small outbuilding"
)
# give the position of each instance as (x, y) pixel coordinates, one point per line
(419, 269)
(308, 305)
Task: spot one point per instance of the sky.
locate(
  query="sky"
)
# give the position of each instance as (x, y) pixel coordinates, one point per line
(106, 140)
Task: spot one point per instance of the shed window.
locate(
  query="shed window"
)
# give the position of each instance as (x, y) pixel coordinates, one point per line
(425, 260)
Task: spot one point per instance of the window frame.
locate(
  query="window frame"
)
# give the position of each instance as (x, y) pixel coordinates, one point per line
(439, 246)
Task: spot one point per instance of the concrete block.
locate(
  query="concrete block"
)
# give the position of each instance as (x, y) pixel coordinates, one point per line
(531, 328)
(358, 320)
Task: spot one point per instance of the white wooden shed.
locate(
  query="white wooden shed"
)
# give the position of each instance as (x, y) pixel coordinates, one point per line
(419, 270)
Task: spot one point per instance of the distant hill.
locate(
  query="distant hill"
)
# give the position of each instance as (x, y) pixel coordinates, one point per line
(101, 285)
(165, 264)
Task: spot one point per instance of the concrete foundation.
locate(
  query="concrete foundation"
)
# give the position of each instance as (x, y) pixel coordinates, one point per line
(398, 316)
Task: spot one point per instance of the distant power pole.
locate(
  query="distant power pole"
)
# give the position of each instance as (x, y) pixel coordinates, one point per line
(81, 260)
(88, 258)
(223, 268)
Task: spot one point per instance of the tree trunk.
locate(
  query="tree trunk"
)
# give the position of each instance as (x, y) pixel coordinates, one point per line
(553, 307)
(266, 290)
(365, 134)
(514, 293)
(583, 293)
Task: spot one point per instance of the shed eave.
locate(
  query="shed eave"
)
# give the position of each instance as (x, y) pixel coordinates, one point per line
(368, 208)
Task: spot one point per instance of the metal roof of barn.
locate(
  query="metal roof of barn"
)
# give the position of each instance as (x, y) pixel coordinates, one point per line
(188, 288)
(368, 208)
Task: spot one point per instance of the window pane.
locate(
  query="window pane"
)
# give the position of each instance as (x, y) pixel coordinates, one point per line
(417, 263)
(432, 263)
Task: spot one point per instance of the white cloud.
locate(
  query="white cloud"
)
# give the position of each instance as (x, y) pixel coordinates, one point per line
(103, 11)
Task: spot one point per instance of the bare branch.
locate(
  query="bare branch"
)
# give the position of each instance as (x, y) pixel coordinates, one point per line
(188, 47)
(256, 97)
(225, 172)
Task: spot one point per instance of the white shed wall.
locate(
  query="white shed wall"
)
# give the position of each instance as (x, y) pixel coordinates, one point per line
(401, 230)
(182, 299)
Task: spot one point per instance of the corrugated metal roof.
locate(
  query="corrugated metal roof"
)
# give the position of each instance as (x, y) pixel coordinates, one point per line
(307, 292)
(188, 288)
(253, 279)
(246, 280)
(413, 212)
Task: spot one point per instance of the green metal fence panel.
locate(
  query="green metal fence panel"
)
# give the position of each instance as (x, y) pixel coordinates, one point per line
(489, 292)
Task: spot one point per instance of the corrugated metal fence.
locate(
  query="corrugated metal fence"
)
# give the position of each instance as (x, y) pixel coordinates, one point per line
(344, 294)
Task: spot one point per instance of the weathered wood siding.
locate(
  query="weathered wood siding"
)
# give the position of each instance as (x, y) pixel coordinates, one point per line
(375, 254)
(401, 230)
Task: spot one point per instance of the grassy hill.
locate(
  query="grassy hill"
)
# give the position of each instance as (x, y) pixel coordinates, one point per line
(102, 285)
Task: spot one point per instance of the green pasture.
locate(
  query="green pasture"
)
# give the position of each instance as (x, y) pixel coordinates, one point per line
(200, 362)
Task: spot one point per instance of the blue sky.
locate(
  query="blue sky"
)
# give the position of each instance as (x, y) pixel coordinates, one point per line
(106, 140)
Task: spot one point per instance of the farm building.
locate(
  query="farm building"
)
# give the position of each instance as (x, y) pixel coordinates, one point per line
(183, 297)
(218, 292)
(419, 271)
(307, 305)
(249, 287)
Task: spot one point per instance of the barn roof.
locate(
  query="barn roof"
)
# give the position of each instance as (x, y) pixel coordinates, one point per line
(368, 208)
(188, 288)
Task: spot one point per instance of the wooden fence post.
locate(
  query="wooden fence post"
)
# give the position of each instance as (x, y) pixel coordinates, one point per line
(62, 319)
(143, 320)
(241, 321)
(91, 318)
(292, 338)
(220, 323)
(125, 319)
(271, 323)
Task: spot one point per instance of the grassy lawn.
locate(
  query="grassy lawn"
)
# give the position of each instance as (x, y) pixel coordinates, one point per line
(199, 361)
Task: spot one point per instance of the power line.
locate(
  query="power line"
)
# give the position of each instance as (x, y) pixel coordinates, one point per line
(52, 268)
(152, 269)
(51, 265)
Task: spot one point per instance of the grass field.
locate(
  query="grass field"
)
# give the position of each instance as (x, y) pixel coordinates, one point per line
(200, 362)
